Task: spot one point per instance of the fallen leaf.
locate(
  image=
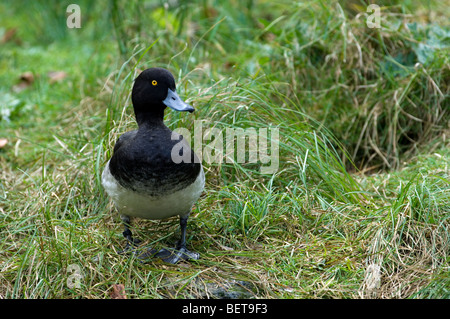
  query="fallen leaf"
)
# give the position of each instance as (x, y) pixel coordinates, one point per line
(118, 292)
(8, 35)
(56, 76)
(27, 77)
(3, 142)
(25, 80)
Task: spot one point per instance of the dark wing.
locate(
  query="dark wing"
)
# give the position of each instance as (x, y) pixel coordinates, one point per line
(123, 138)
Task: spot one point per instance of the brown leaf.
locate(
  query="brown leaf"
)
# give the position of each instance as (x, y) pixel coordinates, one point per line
(8, 35)
(118, 292)
(3, 142)
(56, 76)
(25, 80)
(27, 77)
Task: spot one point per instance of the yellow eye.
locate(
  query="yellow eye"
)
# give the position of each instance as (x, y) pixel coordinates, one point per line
(154, 83)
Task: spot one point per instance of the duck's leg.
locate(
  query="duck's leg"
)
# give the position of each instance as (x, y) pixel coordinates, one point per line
(180, 252)
(131, 242)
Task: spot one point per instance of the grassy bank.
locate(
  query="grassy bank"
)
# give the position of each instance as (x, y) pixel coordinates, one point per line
(358, 207)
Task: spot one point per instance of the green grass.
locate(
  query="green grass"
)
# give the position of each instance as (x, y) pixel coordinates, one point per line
(358, 208)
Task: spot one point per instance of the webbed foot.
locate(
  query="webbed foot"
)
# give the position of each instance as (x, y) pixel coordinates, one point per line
(132, 243)
(173, 256)
(170, 255)
(130, 247)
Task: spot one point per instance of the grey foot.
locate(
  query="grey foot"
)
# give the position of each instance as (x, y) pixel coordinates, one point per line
(130, 247)
(171, 255)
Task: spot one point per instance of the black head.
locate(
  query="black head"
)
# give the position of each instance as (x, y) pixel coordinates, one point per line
(154, 89)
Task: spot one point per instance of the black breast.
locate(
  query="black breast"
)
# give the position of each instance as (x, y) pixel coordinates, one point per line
(142, 161)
